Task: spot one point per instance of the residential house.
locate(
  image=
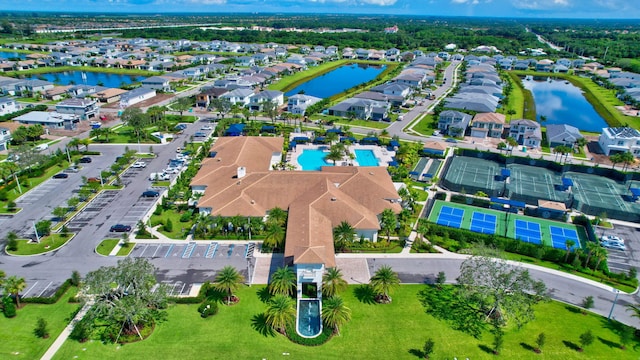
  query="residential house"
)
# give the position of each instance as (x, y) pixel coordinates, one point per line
(245, 61)
(53, 120)
(257, 101)
(160, 83)
(619, 140)
(562, 134)
(361, 109)
(8, 106)
(204, 98)
(32, 86)
(298, 104)
(110, 95)
(526, 132)
(5, 138)
(240, 96)
(488, 124)
(136, 96)
(85, 109)
(453, 123)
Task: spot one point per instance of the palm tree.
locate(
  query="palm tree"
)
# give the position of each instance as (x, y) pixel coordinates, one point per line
(14, 285)
(280, 313)
(228, 280)
(635, 309)
(335, 313)
(615, 159)
(601, 254)
(387, 222)
(383, 281)
(343, 234)
(277, 215)
(591, 247)
(75, 143)
(283, 281)
(568, 244)
(512, 143)
(627, 158)
(274, 236)
(334, 154)
(333, 283)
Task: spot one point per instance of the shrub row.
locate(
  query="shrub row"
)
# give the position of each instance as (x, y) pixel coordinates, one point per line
(50, 300)
(202, 295)
(319, 340)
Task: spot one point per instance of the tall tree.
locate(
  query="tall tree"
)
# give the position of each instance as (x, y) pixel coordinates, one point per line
(335, 154)
(277, 215)
(13, 285)
(283, 281)
(228, 280)
(388, 222)
(333, 282)
(335, 313)
(498, 290)
(136, 119)
(280, 313)
(183, 104)
(126, 296)
(568, 244)
(342, 235)
(274, 236)
(383, 282)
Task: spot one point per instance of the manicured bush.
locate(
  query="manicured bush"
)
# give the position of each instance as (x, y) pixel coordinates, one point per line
(168, 225)
(41, 330)
(319, 340)
(8, 307)
(82, 330)
(208, 308)
(186, 216)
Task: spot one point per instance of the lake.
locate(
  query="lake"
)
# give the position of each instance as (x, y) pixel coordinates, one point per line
(92, 78)
(563, 103)
(12, 55)
(338, 80)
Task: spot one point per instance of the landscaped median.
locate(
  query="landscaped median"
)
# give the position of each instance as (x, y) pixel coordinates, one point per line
(107, 246)
(26, 247)
(401, 329)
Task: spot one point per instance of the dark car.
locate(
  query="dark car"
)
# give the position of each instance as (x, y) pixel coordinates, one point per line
(61, 176)
(150, 193)
(120, 228)
(199, 134)
(451, 140)
(93, 180)
(84, 160)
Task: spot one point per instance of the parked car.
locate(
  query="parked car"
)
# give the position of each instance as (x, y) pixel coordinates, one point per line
(73, 169)
(452, 140)
(206, 127)
(171, 170)
(159, 177)
(150, 193)
(139, 164)
(120, 228)
(612, 238)
(41, 147)
(613, 245)
(60, 176)
(179, 149)
(93, 180)
(85, 160)
(200, 134)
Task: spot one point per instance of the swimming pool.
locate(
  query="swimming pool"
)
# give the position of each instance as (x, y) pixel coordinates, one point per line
(313, 159)
(309, 322)
(366, 158)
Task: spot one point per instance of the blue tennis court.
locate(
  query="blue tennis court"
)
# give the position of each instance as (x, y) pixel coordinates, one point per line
(559, 236)
(451, 217)
(483, 223)
(528, 231)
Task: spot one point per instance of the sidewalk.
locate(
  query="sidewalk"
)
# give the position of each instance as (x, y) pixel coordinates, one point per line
(66, 332)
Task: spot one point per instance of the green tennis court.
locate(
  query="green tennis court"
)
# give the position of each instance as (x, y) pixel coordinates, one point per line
(515, 226)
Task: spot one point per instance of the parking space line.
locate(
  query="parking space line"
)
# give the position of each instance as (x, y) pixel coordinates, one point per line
(169, 251)
(143, 250)
(31, 288)
(181, 290)
(45, 289)
(154, 253)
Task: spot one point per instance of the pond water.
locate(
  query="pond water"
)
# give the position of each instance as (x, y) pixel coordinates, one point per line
(338, 80)
(92, 78)
(563, 103)
(12, 55)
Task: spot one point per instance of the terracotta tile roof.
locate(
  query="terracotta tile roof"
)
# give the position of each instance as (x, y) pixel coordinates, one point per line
(490, 117)
(317, 200)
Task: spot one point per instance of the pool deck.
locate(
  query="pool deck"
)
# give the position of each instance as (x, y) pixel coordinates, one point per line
(383, 155)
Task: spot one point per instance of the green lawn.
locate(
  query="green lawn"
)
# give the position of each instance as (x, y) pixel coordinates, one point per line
(391, 331)
(18, 340)
(426, 125)
(106, 246)
(125, 249)
(46, 244)
(180, 229)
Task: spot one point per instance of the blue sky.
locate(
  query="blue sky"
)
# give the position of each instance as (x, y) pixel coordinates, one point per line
(591, 9)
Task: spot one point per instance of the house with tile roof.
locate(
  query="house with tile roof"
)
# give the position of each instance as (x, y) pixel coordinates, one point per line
(487, 125)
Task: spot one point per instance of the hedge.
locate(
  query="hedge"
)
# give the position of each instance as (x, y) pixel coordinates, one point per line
(50, 300)
(193, 300)
(292, 334)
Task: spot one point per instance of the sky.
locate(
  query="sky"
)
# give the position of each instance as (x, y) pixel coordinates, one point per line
(589, 9)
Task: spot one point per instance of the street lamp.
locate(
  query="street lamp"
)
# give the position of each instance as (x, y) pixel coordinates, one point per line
(615, 300)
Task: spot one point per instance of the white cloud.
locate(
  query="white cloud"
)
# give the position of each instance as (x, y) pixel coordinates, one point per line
(207, 2)
(470, 2)
(379, 2)
(541, 4)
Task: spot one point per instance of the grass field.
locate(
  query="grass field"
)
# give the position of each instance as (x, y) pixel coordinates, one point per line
(46, 244)
(393, 331)
(106, 246)
(18, 340)
(502, 221)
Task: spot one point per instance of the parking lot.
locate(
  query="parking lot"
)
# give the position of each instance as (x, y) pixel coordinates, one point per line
(190, 250)
(35, 195)
(622, 261)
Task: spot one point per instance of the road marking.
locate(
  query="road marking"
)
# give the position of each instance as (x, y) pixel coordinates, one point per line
(154, 253)
(31, 288)
(169, 251)
(45, 289)
(143, 250)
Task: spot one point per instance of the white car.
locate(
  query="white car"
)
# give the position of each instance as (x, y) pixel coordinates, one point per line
(139, 164)
(171, 170)
(206, 127)
(612, 238)
(613, 245)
